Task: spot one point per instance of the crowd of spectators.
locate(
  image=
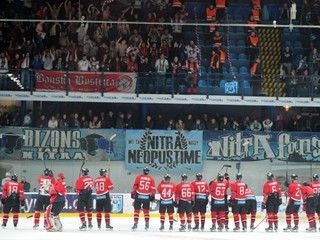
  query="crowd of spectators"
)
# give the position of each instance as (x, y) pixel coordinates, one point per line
(128, 120)
(152, 49)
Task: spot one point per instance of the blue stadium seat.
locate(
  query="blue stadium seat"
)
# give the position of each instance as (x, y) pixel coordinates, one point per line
(242, 56)
(246, 84)
(222, 83)
(202, 83)
(240, 30)
(241, 43)
(297, 44)
(243, 70)
(233, 69)
(233, 56)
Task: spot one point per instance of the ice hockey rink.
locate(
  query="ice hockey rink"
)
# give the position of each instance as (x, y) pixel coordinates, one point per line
(122, 230)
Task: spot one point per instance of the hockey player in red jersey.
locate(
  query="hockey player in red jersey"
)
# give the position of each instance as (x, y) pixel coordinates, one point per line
(184, 200)
(58, 193)
(238, 203)
(43, 200)
(143, 192)
(103, 186)
(309, 205)
(166, 190)
(12, 197)
(218, 191)
(315, 185)
(201, 190)
(293, 204)
(84, 186)
(251, 203)
(271, 201)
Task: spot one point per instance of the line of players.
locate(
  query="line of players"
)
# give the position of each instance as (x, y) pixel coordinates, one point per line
(191, 199)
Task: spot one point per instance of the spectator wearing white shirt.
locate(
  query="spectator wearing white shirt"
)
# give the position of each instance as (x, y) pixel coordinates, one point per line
(27, 120)
(48, 59)
(25, 71)
(53, 122)
(95, 123)
(4, 69)
(84, 64)
(161, 67)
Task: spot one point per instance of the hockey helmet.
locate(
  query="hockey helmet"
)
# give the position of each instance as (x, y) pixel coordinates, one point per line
(146, 170)
(85, 171)
(14, 177)
(315, 177)
(220, 177)
(184, 177)
(305, 183)
(167, 177)
(294, 176)
(270, 176)
(102, 172)
(239, 176)
(199, 176)
(46, 172)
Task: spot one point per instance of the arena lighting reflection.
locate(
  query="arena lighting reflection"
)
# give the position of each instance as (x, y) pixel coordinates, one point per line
(287, 108)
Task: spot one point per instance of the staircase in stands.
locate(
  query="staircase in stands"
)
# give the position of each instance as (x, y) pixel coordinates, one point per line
(270, 55)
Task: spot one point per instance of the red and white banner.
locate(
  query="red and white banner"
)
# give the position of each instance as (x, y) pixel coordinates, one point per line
(86, 81)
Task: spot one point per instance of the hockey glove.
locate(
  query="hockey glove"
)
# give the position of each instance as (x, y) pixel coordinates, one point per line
(3, 201)
(304, 207)
(22, 203)
(152, 198)
(133, 195)
(264, 205)
(280, 202)
(226, 176)
(175, 204)
(230, 202)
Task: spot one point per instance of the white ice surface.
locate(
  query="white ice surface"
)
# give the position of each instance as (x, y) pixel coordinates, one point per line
(122, 230)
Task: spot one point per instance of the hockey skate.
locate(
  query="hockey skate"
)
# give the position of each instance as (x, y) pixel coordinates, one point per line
(311, 229)
(276, 227)
(146, 226)
(189, 227)
(269, 229)
(202, 227)
(15, 224)
(35, 227)
(196, 227)
(4, 225)
(90, 226)
(182, 228)
(288, 228)
(227, 228)
(161, 227)
(244, 226)
(295, 228)
(171, 226)
(251, 227)
(99, 225)
(109, 227)
(220, 227)
(236, 229)
(213, 228)
(135, 226)
(83, 227)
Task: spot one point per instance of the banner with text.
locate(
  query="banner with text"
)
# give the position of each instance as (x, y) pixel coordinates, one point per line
(163, 151)
(62, 144)
(86, 81)
(257, 146)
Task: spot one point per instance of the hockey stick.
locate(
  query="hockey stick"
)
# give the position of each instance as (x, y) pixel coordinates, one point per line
(109, 157)
(83, 162)
(224, 166)
(44, 163)
(265, 217)
(23, 210)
